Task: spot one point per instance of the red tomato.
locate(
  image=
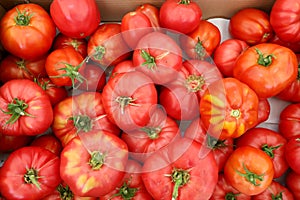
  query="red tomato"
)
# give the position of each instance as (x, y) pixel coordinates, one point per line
(152, 12)
(251, 25)
(275, 191)
(285, 20)
(267, 68)
(48, 141)
(62, 41)
(289, 121)
(95, 78)
(127, 103)
(223, 190)
(106, 45)
(29, 173)
(228, 108)
(124, 66)
(158, 56)
(292, 153)
(181, 171)
(27, 31)
(292, 181)
(269, 141)
(80, 114)
(226, 54)
(12, 67)
(158, 133)
(264, 109)
(25, 108)
(77, 19)
(93, 163)
(183, 16)
(221, 148)
(9, 143)
(249, 170)
(294, 46)
(202, 41)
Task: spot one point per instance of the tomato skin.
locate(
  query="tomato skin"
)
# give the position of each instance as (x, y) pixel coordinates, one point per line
(226, 54)
(31, 99)
(256, 162)
(152, 12)
(37, 35)
(182, 16)
(69, 15)
(48, 141)
(251, 25)
(289, 121)
(271, 142)
(79, 167)
(12, 67)
(123, 66)
(228, 108)
(202, 41)
(264, 109)
(292, 181)
(285, 20)
(46, 164)
(95, 78)
(292, 152)
(113, 50)
(275, 190)
(9, 143)
(269, 78)
(294, 46)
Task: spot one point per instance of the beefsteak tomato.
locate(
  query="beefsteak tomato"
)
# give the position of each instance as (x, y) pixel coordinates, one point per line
(275, 191)
(292, 153)
(292, 181)
(289, 121)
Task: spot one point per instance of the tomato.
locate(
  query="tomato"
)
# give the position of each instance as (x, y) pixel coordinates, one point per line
(77, 19)
(292, 152)
(80, 114)
(292, 92)
(63, 65)
(249, 170)
(221, 149)
(127, 103)
(202, 41)
(292, 181)
(180, 171)
(183, 16)
(9, 143)
(27, 31)
(294, 46)
(264, 109)
(48, 141)
(181, 97)
(285, 20)
(158, 133)
(106, 45)
(93, 163)
(123, 66)
(29, 173)
(269, 141)
(223, 190)
(25, 108)
(226, 54)
(267, 68)
(12, 67)
(62, 41)
(158, 56)
(251, 25)
(228, 108)
(152, 12)
(134, 25)
(275, 191)
(289, 121)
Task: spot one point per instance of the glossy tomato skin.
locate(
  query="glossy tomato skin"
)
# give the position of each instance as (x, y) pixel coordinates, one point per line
(292, 181)
(251, 25)
(264, 109)
(269, 141)
(80, 114)
(48, 141)
(182, 16)
(69, 16)
(294, 46)
(285, 20)
(9, 143)
(93, 163)
(123, 66)
(289, 121)
(228, 108)
(292, 152)
(267, 68)
(35, 27)
(95, 78)
(275, 191)
(246, 162)
(13, 67)
(36, 113)
(106, 45)
(23, 162)
(152, 12)
(226, 54)
(197, 168)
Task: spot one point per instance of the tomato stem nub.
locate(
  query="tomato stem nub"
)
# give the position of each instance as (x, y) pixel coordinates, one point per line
(97, 160)
(250, 176)
(149, 60)
(152, 132)
(82, 123)
(22, 19)
(99, 52)
(264, 60)
(230, 196)
(194, 83)
(186, 2)
(125, 192)
(180, 177)
(65, 193)
(269, 149)
(31, 177)
(277, 197)
(124, 101)
(235, 113)
(200, 50)
(214, 143)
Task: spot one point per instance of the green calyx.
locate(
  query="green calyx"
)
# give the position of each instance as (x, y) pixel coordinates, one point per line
(200, 50)
(214, 143)
(269, 149)
(99, 53)
(264, 60)
(97, 160)
(235, 113)
(230, 196)
(194, 83)
(149, 60)
(277, 197)
(31, 177)
(179, 177)
(125, 192)
(125, 101)
(65, 193)
(186, 2)
(152, 132)
(251, 177)
(82, 123)
(16, 109)
(22, 18)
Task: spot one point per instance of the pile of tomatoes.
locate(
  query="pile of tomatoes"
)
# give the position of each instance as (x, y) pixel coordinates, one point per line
(152, 107)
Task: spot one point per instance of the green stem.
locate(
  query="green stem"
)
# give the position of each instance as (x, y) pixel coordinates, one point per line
(200, 50)
(152, 132)
(186, 2)
(125, 192)
(277, 197)
(125, 101)
(230, 196)
(214, 143)
(65, 193)
(99, 52)
(149, 60)
(235, 113)
(31, 177)
(180, 177)
(23, 19)
(97, 160)
(82, 123)
(194, 83)
(251, 177)
(269, 149)
(264, 60)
